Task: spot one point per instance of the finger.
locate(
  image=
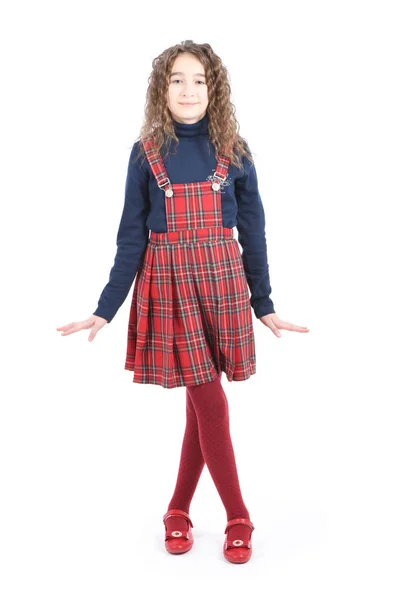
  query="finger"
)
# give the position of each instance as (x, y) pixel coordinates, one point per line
(292, 327)
(93, 333)
(72, 330)
(65, 327)
(74, 327)
(269, 323)
(274, 329)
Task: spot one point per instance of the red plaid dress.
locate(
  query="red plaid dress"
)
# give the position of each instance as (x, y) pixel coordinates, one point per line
(190, 315)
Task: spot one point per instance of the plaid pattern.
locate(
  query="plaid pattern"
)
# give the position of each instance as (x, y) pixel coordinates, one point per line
(190, 314)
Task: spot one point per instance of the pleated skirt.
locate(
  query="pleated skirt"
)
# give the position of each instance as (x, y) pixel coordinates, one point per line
(190, 315)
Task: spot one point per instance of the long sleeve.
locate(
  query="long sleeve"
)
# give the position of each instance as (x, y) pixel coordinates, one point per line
(251, 236)
(132, 238)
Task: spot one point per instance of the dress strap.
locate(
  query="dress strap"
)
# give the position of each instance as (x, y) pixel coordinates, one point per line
(222, 167)
(156, 162)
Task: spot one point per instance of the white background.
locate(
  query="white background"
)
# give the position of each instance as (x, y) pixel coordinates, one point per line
(88, 460)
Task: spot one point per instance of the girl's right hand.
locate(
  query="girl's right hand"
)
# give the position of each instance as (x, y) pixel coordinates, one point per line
(94, 323)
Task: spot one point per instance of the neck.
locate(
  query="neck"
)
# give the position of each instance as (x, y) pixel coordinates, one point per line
(191, 129)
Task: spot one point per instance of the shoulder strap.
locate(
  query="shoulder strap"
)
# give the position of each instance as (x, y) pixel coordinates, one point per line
(222, 167)
(156, 162)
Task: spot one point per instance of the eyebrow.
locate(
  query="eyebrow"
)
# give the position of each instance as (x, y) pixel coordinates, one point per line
(180, 73)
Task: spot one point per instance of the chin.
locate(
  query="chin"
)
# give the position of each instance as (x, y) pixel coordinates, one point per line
(190, 112)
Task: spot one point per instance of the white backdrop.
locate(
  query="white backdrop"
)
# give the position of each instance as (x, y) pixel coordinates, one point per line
(88, 459)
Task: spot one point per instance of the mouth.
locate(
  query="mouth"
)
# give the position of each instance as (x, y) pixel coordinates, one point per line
(187, 103)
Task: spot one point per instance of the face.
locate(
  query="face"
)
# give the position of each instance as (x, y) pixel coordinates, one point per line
(187, 96)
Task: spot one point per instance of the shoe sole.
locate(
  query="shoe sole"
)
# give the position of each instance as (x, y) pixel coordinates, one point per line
(178, 551)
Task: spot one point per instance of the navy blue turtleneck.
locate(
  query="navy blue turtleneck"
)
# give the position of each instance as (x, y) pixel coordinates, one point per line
(192, 159)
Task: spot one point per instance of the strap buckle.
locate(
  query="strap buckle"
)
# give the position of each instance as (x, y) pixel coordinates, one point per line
(220, 178)
(162, 185)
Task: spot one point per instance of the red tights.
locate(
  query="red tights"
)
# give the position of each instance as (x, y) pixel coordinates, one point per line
(207, 440)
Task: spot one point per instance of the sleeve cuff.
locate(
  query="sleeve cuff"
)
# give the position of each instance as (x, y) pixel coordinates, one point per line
(263, 307)
(103, 315)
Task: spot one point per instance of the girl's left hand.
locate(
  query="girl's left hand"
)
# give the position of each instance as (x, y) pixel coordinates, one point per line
(275, 323)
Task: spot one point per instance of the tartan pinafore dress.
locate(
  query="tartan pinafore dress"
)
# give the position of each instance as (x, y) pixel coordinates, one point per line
(190, 316)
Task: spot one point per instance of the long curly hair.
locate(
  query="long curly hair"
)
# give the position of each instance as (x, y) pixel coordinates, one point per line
(223, 127)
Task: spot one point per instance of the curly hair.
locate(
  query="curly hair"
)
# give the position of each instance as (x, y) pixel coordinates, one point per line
(223, 127)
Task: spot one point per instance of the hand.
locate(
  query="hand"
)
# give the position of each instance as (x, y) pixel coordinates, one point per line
(275, 323)
(94, 322)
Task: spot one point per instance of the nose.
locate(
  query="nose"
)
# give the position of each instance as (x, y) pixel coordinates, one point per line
(188, 90)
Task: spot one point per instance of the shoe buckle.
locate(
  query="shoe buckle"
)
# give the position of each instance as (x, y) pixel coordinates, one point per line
(176, 533)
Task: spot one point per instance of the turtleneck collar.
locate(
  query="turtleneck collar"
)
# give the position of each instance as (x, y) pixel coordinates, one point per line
(191, 129)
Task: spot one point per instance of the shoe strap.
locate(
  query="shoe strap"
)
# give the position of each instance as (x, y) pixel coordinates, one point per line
(177, 512)
(239, 521)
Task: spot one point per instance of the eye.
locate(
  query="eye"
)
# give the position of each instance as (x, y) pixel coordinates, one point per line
(198, 81)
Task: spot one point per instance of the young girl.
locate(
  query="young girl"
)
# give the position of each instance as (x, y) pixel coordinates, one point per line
(191, 179)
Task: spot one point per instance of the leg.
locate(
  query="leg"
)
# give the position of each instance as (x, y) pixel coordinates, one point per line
(191, 465)
(212, 410)
(191, 462)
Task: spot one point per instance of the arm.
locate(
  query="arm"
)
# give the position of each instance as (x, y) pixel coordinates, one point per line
(251, 236)
(132, 238)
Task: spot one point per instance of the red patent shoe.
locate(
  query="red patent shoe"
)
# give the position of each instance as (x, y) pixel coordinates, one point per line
(238, 551)
(178, 542)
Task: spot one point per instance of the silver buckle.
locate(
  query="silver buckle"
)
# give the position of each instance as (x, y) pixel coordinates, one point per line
(164, 184)
(220, 178)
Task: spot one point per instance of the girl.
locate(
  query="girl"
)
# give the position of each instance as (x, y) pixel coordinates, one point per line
(191, 179)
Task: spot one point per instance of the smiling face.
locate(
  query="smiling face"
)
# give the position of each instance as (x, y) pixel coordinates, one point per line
(187, 96)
